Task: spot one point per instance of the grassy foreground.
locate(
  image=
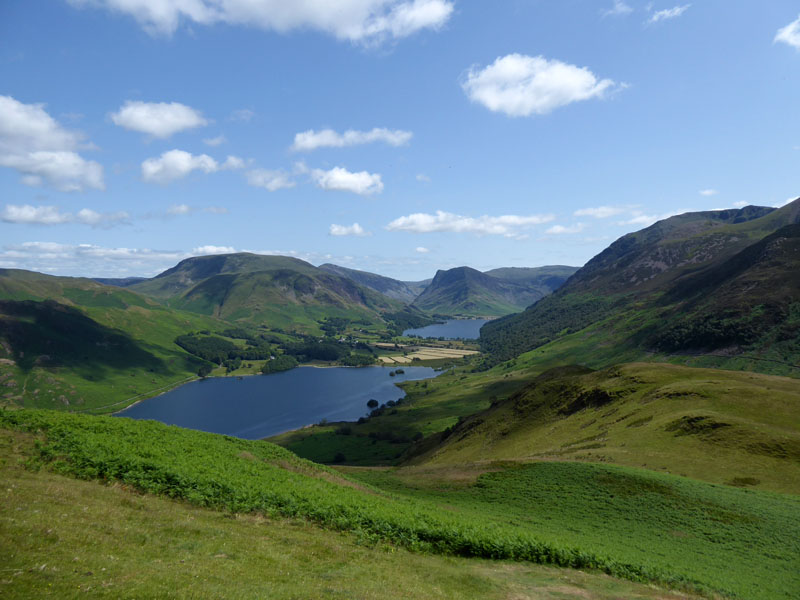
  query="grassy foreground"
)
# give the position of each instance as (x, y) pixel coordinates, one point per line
(740, 542)
(64, 538)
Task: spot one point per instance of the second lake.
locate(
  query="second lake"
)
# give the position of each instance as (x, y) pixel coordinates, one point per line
(454, 329)
(259, 406)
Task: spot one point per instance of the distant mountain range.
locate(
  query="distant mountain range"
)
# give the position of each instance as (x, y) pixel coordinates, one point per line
(719, 282)
(466, 292)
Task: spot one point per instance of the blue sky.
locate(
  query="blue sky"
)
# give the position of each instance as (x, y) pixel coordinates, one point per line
(395, 136)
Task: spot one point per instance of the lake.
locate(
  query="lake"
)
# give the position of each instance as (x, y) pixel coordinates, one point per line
(259, 406)
(467, 329)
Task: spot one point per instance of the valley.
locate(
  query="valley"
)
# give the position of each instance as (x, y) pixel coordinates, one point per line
(656, 389)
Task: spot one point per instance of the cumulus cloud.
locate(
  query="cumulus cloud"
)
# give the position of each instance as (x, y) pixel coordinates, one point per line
(618, 10)
(158, 119)
(51, 215)
(355, 230)
(599, 212)
(520, 85)
(365, 21)
(340, 179)
(640, 218)
(176, 164)
(270, 180)
(669, 13)
(206, 250)
(790, 34)
(421, 250)
(328, 138)
(505, 225)
(179, 209)
(423, 178)
(42, 151)
(215, 141)
(234, 162)
(560, 229)
(708, 192)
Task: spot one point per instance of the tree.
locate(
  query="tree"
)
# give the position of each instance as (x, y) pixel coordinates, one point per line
(372, 403)
(204, 370)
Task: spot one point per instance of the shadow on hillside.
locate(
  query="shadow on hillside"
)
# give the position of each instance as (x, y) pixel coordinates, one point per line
(49, 334)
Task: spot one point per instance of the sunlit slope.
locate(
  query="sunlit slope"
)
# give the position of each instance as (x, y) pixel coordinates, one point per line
(739, 541)
(121, 543)
(73, 343)
(718, 426)
(721, 282)
(279, 291)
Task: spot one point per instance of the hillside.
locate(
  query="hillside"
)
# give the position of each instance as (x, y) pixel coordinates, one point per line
(73, 343)
(387, 286)
(464, 291)
(694, 283)
(279, 291)
(735, 542)
(700, 423)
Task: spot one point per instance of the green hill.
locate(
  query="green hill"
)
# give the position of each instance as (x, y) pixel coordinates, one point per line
(630, 523)
(467, 292)
(720, 282)
(72, 343)
(279, 291)
(701, 423)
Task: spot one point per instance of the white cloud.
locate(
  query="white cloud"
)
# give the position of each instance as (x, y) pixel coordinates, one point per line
(645, 220)
(785, 202)
(215, 141)
(506, 225)
(270, 180)
(234, 162)
(560, 229)
(740, 204)
(328, 138)
(179, 209)
(520, 85)
(709, 192)
(421, 250)
(42, 151)
(367, 21)
(205, 250)
(600, 212)
(216, 210)
(423, 178)
(669, 13)
(176, 164)
(51, 215)
(619, 9)
(790, 34)
(340, 179)
(355, 229)
(158, 119)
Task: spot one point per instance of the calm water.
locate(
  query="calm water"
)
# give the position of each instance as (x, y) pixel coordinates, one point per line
(467, 329)
(262, 405)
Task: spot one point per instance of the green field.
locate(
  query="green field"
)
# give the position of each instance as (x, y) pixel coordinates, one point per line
(671, 530)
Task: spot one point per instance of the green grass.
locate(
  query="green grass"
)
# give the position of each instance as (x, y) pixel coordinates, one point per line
(633, 422)
(65, 538)
(241, 476)
(732, 539)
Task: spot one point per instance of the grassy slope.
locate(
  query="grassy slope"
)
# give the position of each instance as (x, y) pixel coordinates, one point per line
(82, 372)
(717, 426)
(685, 533)
(646, 291)
(68, 538)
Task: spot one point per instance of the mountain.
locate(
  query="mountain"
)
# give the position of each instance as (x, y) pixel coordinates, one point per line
(387, 286)
(464, 291)
(119, 281)
(280, 291)
(699, 283)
